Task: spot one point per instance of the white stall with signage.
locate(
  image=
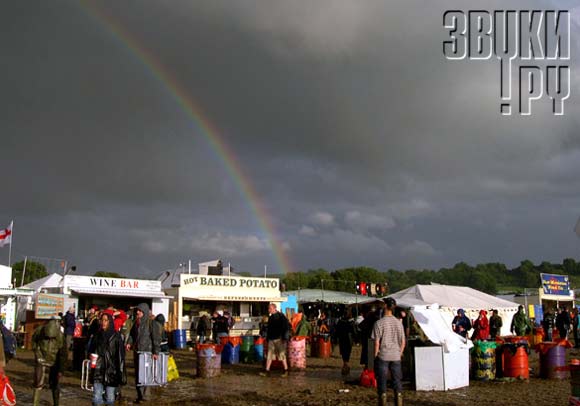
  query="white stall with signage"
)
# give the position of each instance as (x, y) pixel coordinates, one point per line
(246, 298)
(120, 292)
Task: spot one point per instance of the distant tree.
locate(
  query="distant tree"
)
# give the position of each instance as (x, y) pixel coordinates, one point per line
(34, 271)
(246, 274)
(104, 274)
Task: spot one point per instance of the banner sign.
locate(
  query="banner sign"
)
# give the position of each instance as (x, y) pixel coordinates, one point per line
(48, 305)
(555, 284)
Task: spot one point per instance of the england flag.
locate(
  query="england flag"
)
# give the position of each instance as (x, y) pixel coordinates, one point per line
(6, 235)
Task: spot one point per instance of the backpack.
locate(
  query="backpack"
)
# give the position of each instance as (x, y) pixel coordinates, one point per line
(9, 342)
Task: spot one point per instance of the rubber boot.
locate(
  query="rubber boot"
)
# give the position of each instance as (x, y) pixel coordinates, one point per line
(383, 399)
(36, 397)
(398, 399)
(55, 397)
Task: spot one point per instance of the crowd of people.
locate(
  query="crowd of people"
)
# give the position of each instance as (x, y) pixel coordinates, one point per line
(111, 333)
(381, 330)
(559, 320)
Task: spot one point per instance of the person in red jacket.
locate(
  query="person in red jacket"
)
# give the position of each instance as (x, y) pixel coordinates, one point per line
(481, 327)
(119, 317)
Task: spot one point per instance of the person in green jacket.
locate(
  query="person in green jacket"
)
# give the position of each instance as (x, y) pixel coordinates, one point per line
(50, 355)
(520, 323)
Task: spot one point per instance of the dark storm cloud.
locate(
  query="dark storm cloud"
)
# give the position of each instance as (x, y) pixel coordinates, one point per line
(343, 111)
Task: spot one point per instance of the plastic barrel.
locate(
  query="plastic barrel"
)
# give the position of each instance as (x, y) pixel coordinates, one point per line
(297, 352)
(553, 361)
(324, 346)
(179, 339)
(246, 349)
(259, 349)
(515, 361)
(208, 360)
(231, 354)
(484, 360)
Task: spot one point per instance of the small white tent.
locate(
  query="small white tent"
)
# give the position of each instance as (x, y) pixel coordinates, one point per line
(451, 298)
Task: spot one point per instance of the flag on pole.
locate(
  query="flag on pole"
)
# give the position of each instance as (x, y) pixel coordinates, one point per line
(6, 235)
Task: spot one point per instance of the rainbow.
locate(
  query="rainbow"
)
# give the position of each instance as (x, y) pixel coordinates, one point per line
(207, 129)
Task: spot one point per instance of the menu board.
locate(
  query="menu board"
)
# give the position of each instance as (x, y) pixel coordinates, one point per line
(48, 305)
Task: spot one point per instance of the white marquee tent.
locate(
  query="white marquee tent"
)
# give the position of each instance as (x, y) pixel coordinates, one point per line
(451, 298)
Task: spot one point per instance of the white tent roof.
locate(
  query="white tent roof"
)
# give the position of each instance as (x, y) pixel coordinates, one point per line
(328, 296)
(450, 296)
(53, 280)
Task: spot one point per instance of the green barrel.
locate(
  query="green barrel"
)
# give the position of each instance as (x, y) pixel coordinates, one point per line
(247, 350)
(483, 358)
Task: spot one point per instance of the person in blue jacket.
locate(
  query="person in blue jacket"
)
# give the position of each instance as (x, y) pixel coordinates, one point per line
(461, 324)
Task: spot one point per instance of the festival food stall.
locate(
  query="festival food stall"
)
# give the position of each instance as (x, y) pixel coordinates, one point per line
(245, 298)
(555, 292)
(120, 292)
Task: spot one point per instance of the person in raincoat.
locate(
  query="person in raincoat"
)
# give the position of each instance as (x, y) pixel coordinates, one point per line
(520, 323)
(495, 324)
(481, 327)
(461, 324)
(109, 372)
(50, 356)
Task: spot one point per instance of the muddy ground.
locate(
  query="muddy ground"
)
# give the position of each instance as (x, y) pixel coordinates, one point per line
(320, 384)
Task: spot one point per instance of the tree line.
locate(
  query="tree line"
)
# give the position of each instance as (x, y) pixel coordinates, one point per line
(491, 277)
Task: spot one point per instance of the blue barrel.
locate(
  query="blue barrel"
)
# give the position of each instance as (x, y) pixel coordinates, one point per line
(179, 339)
(231, 354)
(259, 349)
(553, 362)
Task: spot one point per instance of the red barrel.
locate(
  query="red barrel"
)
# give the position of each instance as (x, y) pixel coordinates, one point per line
(324, 347)
(515, 361)
(553, 360)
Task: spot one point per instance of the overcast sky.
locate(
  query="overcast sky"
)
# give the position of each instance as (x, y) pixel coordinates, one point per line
(365, 145)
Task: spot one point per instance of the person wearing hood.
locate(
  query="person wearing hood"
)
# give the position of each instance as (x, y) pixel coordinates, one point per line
(160, 325)
(461, 324)
(144, 337)
(481, 327)
(50, 356)
(520, 323)
(495, 324)
(110, 371)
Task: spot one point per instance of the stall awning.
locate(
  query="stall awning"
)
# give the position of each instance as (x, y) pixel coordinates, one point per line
(241, 298)
(132, 293)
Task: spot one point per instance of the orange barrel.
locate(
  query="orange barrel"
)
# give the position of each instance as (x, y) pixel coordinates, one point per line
(297, 352)
(208, 360)
(553, 360)
(324, 345)
(224, 340)
(235, 341)
(515, 360)
(575, 377)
